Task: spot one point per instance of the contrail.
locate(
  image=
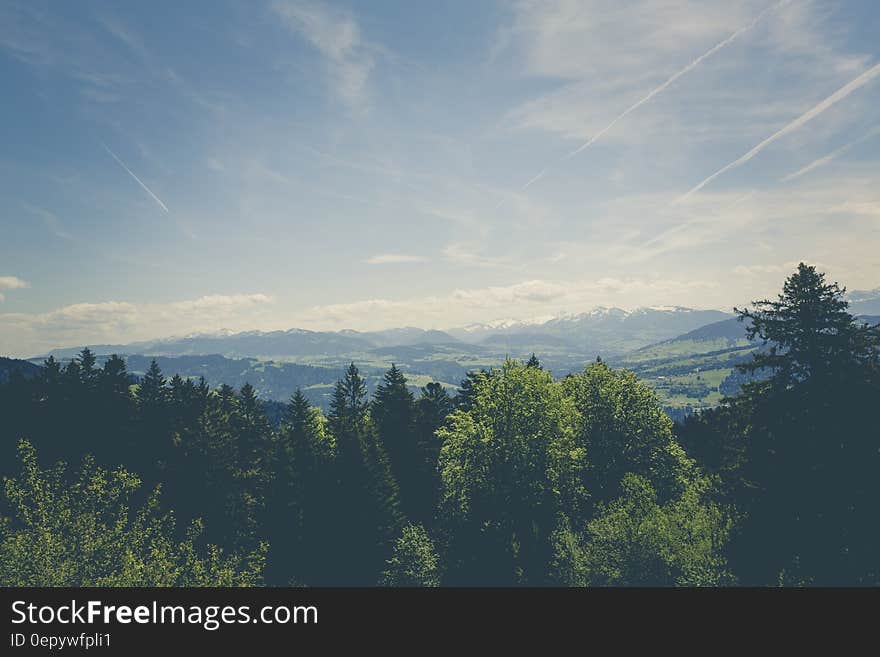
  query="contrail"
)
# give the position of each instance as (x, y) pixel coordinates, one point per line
(632, 108)
(139, 181)
(825, 159)
(687, 224)
(534, 180)
(807, 116)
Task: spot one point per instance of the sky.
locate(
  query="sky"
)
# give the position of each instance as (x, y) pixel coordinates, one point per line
(169, 168)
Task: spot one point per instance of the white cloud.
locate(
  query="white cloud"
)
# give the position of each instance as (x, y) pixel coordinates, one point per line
(336, 34)
(113, 322)
(393, 259)
(11, 283)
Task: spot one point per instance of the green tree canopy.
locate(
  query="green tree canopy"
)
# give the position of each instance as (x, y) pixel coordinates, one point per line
(622, 429)
(414, 561)
(497, 466)
(85, 533)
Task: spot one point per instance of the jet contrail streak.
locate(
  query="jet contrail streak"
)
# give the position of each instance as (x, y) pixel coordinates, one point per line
(807, 116)
(139, 181)
(632, 108)
(825, 159)
(534, 180)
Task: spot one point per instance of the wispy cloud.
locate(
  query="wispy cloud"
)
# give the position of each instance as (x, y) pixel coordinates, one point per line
(825, 159)
(471, 255)
(799, 122)
(139, 181)
(11, 283)
(53, 224)
(656, 90)
(335, 33)
(393, 259)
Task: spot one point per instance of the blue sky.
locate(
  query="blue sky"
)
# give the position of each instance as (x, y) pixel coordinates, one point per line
(175, 167)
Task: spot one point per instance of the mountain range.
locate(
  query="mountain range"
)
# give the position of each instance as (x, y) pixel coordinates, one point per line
(688, 356)
(605, 331)
(864, 302)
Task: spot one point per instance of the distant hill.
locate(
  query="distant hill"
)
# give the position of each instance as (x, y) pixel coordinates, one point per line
(727, 329)
(688, 356)
(534, 341)
(693, 370)
(250, 344)
(864, 302)
(271, 380)
(403, 337)
(9, 365)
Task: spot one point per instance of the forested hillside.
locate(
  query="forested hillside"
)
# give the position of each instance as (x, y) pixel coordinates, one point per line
(10, 367)
(515, 478)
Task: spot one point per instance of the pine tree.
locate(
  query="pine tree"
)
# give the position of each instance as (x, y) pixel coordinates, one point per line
(152, 391)
(154, 445)
(464, 396)
(806, 473)
(365, 503)
(114, 377)
(87, 370)
(116, 408)
(297, 502)
(432, 408)
(254, 432)
(393, 415)
(807, 331)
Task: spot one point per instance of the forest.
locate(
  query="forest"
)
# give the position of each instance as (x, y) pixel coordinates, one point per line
(516, 479)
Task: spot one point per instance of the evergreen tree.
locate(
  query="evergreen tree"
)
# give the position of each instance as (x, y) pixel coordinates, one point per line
(253, 432)
(464, 396)
(114, 434)
(154, 444)
(805, 476)
(299, 522)
(808, 332)
(87, 370)
(432, 408)
(393, 415)
(152, 391)
(114, 379)
(365, 505)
